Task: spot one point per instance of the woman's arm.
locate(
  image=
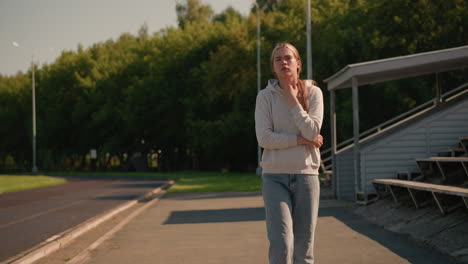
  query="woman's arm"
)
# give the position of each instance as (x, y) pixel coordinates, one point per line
(316, 143)
(309, 123)
(266, 137)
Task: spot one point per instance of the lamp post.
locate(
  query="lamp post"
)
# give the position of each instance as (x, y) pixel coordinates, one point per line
(309, 43)
(259, 75)
(34, 167)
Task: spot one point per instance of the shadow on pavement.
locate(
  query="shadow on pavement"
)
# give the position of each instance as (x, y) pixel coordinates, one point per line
(208, 195)
(397, 243)
(216, 216)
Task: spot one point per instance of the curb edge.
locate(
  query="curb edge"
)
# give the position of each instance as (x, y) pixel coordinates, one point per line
(64, 238)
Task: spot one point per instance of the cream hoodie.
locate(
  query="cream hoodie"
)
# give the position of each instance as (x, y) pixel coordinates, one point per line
(277, 126)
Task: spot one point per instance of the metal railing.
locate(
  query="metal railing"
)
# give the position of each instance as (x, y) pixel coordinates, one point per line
(326, 163)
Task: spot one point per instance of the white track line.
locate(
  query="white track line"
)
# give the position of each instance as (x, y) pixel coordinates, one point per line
(59, 241)
(50, 210)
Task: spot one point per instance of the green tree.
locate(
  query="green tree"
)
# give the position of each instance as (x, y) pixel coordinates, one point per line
(188, 93)
(193, 11)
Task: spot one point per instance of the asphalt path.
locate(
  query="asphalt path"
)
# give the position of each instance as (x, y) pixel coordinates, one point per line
(28, 218)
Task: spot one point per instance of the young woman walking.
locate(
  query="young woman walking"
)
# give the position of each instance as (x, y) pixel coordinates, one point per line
(288, 118)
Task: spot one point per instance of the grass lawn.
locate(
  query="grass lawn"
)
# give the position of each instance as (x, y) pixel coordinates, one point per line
(14, 183)
(192, 181)
(188, 181)
(214, 182)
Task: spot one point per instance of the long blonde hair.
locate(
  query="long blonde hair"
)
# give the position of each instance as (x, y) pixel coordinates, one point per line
(303, 92)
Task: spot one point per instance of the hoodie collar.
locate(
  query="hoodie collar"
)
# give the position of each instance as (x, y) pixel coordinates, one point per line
(273, 85)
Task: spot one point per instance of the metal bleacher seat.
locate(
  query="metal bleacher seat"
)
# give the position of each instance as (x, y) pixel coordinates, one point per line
(439, 177)
(413, 187)
(449, 169)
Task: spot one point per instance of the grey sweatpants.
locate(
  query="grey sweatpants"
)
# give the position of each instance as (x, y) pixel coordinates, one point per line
(291, 207)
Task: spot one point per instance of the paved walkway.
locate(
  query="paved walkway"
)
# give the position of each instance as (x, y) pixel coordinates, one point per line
(230, 228)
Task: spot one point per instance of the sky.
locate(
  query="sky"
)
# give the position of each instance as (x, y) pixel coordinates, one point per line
(45, 28)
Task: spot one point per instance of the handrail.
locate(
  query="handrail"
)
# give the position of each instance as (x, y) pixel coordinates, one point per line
(455, 91)
(447, 96)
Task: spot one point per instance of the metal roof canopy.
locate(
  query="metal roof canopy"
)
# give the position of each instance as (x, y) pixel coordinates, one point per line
(399, 67)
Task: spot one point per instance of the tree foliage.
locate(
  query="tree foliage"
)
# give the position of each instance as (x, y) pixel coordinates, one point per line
(193, 11)
(185, 95)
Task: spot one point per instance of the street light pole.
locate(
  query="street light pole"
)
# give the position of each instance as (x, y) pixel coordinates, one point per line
(259, 74)
(34, 167)
(309, 43)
